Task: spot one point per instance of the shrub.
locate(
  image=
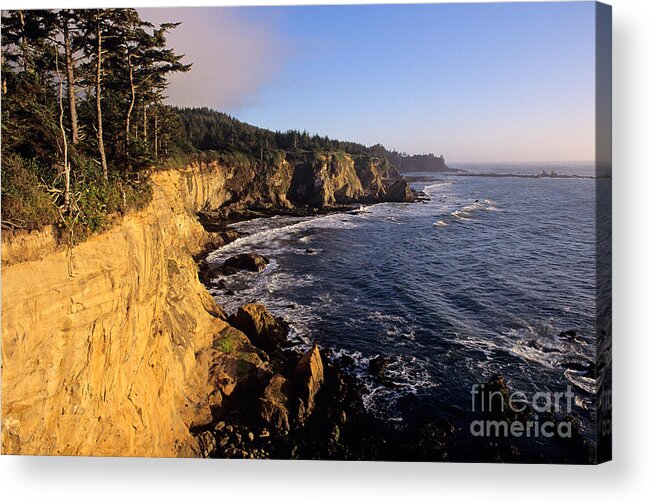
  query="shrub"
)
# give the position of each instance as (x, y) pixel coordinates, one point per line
(27, 203)
(25, 200)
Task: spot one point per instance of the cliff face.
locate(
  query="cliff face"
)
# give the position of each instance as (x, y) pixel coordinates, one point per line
(115, 347)
(328, 179)
(319, 180)
(99, 346)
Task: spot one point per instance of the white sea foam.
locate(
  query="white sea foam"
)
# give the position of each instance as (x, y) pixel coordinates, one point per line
(466, 213)
(531, 354)
(407, 374)
(264, 237)
(396, 329)
(585, 383)
(434, 188)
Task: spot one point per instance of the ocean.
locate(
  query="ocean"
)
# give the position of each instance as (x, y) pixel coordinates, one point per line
(487, 277)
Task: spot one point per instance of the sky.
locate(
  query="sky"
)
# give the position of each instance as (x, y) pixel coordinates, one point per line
(495, 82)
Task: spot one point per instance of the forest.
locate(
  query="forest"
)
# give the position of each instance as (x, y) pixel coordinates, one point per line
(84, 117)
(82, 114)
(204, 129)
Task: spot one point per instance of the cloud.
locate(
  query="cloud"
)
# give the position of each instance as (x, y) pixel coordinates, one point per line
(233, 57)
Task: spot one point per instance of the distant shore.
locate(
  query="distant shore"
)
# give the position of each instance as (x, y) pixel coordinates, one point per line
(543, 175)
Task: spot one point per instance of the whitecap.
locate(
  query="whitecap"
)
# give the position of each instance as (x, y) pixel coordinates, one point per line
(585, 383)
(263, 237)
(407, 375)
(432, 188)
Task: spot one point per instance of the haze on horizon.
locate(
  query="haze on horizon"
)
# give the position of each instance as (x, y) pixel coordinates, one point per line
(504, 82)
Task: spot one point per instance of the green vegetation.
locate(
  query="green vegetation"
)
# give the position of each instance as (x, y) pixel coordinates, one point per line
(419, 162)
(204, 129)
(82, 115)
(226, 344)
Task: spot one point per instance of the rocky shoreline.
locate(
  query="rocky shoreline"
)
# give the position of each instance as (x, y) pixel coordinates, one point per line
(305, 406)
(309, 405)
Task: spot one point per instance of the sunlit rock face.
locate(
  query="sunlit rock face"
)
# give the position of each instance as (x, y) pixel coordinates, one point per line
(113, 347)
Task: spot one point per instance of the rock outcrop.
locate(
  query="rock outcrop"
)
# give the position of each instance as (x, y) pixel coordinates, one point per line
(328, 179)
(262, 328)
(250, 261)
(377, 367)
(274, 404)
(309, 373)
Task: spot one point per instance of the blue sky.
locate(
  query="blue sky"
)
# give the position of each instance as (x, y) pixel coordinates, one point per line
(476, 82)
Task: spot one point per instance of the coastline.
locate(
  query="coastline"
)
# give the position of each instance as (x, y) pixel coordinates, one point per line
(340, 427)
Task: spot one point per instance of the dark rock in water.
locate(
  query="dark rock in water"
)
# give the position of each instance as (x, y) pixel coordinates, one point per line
(310, 251)
(208, 271)
(377, 367)
(230, 235)
(262, 328)
(399, 191)
(309, 378)
(217, 240)
(572, 335)
(215, 270)
(497, 383)
(273, 406)
(250, 261)
(494, 397)
(346, 361)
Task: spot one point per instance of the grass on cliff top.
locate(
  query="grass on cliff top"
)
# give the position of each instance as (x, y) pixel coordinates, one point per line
(32, 198)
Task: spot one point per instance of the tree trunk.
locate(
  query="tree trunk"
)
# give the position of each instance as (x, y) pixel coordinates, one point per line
(70, 76)
(156, 134)
(98, 101)
(144, 123)
(127, 120)
(24, 46)
(66, 165)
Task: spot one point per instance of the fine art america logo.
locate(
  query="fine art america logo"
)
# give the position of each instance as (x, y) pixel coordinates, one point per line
(518, 414)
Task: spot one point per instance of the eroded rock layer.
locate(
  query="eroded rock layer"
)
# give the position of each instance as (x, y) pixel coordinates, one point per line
(115, 347)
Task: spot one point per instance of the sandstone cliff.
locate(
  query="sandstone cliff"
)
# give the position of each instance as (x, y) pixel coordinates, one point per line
(317, 179)
(115, 347)
(326, 179)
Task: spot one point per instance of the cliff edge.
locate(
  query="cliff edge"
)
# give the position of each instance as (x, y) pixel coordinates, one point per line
(114, 347)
